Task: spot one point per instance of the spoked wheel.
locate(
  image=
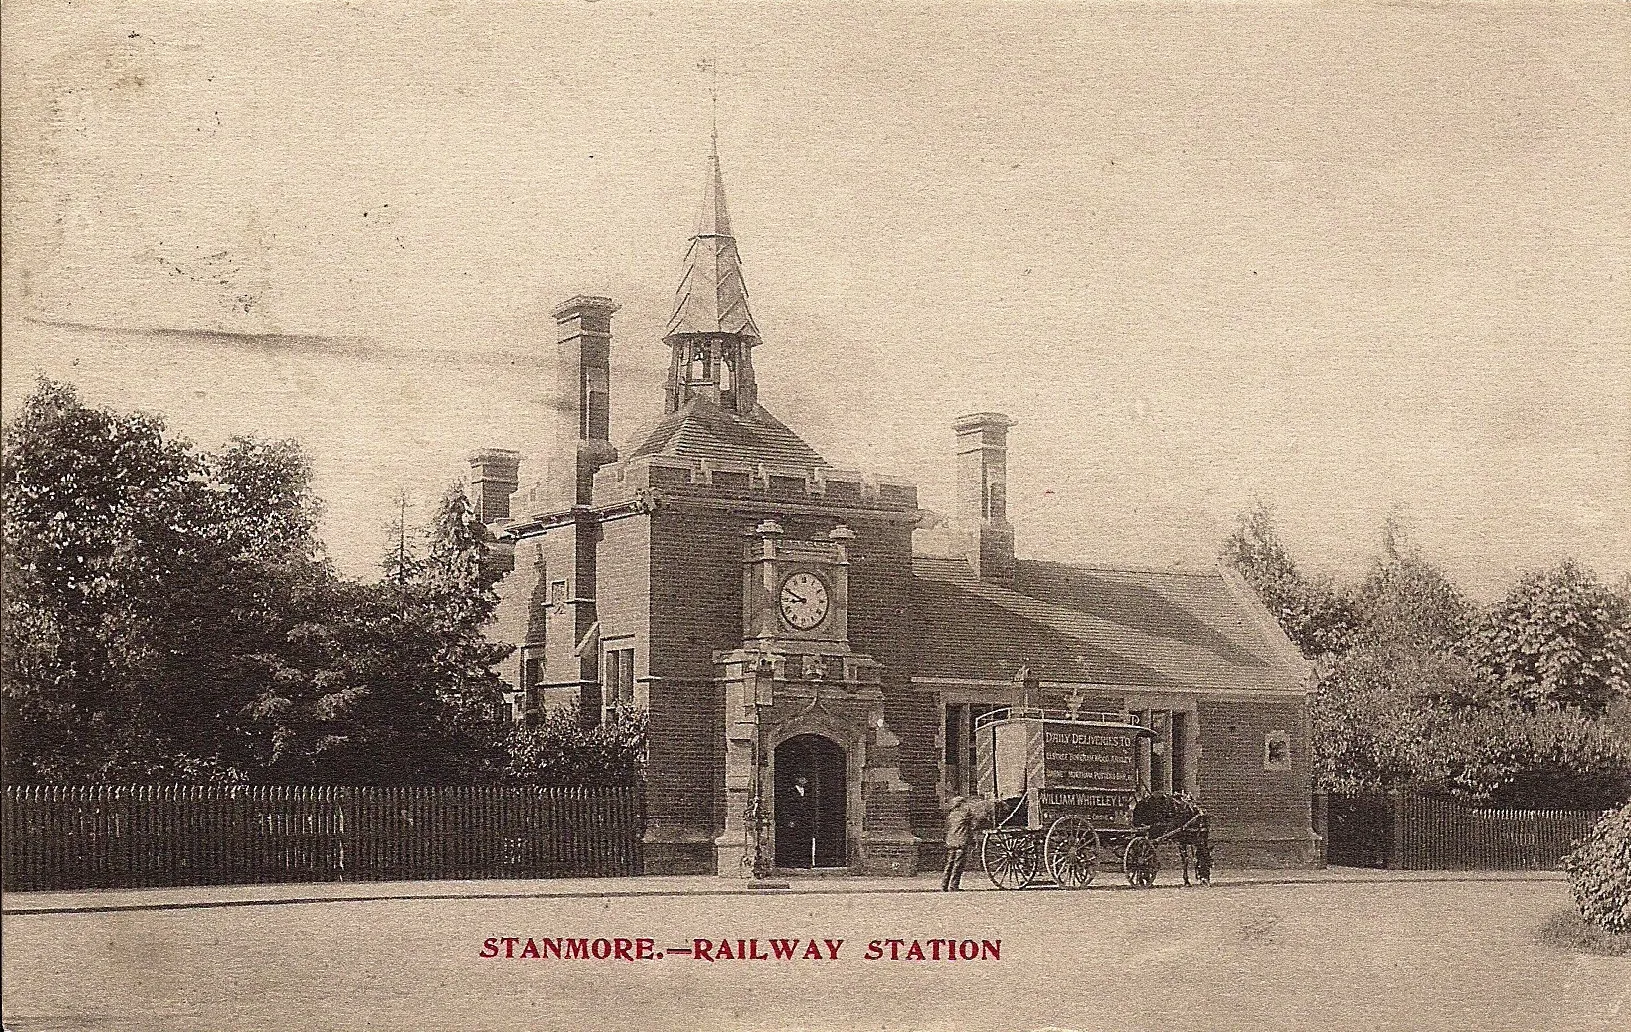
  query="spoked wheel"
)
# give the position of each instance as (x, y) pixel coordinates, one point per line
(1071, 852)
(1141, 862)
(1010, 858)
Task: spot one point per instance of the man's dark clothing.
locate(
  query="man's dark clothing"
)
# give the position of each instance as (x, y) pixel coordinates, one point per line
(958, 822)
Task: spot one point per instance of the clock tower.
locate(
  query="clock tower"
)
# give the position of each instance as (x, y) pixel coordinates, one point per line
(797, 691)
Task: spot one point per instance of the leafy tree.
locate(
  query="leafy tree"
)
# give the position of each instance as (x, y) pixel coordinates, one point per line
(392, 683)
(456, 600)
(1373, 711)
(137, 570)
(168, 614)
(1316, 616)
(1406, 697)
(1406, 600)
(1561, 637)
(1507, 756)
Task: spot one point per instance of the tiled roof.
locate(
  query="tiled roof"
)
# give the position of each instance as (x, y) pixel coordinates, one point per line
(713, 296)
(704, 430)
(1076, 624)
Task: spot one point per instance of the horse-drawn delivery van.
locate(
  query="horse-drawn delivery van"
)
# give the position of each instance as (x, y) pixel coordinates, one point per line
(1064, 795)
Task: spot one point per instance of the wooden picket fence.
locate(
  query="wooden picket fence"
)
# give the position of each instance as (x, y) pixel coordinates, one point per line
(124, 836)
(1408, 831)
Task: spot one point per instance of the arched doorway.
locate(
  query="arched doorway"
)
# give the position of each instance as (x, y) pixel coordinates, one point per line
(811, 802)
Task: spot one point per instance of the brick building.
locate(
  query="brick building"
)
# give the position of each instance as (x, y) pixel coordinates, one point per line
(809, 637)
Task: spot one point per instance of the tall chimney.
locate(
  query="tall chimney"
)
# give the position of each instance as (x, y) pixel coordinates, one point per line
(982, 494)
(583, 365)
(494, 476)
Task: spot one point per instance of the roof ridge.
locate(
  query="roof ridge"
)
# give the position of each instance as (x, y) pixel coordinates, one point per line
(1212, 574)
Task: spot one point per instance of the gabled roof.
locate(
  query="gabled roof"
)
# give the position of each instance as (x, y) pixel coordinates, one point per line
(1076, 624)
(704, 430)
(713, 296)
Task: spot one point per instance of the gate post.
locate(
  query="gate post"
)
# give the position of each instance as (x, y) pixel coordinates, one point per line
(1321, 814)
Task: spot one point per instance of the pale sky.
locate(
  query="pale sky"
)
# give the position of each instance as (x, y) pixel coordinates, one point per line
(1346, 259)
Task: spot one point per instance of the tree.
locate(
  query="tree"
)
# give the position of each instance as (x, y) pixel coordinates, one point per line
(1373, 711)
(1415, 690)
(1600, 873)
(392, 683)
(456, 601)
(1561, 637)
(1408, 601)
(137, 573)
(169, 615)
(1318, 618)
(1507, 756)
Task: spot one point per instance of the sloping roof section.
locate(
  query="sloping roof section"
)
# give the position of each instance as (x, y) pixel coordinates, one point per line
(713, 296)
(704, 430)
(1075, 624)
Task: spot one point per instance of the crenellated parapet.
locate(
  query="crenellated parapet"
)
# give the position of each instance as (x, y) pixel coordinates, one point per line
(681, 478)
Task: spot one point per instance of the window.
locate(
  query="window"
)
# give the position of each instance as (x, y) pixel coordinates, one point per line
(617, 676)
(961, 762)
(557, 593)
(1181, 779)
(1276, 751)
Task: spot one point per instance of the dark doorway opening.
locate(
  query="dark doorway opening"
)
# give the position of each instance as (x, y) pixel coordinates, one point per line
(811, 802)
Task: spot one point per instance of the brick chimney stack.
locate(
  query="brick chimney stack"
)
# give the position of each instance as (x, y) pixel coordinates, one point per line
(583, 364)
(982, 494)
(494, 476)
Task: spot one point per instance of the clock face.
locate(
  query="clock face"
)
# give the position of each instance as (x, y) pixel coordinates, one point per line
(803, 601)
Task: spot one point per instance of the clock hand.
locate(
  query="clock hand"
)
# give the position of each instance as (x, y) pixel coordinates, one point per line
(797, 598)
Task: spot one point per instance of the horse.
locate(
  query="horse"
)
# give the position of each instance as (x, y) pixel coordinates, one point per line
(1180, 820)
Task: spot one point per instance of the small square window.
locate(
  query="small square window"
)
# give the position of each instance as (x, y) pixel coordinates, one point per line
(557, 593)
(1276, 751)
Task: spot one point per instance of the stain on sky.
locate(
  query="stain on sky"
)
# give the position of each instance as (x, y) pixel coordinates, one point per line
(361, 348)
(216, 270)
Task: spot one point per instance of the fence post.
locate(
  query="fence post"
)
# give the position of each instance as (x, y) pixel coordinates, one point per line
(1395, 854)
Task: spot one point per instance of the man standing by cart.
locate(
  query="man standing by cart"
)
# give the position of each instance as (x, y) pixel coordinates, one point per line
(959, 822)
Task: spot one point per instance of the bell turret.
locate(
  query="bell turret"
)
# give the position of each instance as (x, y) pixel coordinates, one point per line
(711, 334)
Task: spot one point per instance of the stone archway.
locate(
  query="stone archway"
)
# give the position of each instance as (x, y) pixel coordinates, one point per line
(812, 802)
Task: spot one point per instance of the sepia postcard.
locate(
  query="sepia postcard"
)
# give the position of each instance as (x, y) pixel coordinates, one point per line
(1027, 517)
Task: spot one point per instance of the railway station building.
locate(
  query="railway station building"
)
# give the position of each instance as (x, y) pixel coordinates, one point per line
(814, 648)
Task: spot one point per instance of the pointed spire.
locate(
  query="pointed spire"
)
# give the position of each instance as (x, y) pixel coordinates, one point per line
(713, 297)
(714, 219)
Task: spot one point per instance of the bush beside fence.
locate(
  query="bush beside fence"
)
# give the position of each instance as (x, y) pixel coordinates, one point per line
(126, 836)
(1407, 831)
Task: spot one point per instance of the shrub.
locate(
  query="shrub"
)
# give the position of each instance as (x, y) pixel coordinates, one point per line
(559, 751)
(1509, 757)
(1600, 873)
